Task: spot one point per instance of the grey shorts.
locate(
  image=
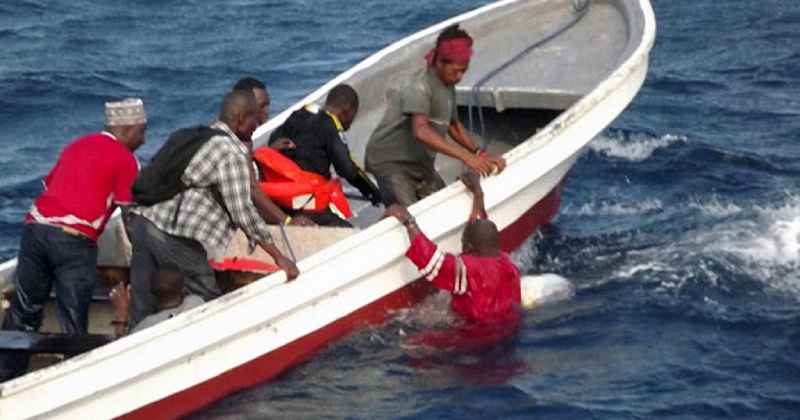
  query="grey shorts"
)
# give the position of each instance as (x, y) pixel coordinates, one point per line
(405, 188)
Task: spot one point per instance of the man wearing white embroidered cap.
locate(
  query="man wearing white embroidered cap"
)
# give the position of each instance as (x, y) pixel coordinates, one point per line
(58, 248)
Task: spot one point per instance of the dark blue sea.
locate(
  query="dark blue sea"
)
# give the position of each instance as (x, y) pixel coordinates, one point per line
(680, 226)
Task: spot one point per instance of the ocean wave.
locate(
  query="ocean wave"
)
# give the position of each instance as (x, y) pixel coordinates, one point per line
(714, 207)
(771, 238)
(610, 208)
(754, 249)
(763, 242)
(634, 147)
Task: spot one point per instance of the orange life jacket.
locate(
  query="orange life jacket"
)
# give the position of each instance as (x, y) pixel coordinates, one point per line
(291, 187)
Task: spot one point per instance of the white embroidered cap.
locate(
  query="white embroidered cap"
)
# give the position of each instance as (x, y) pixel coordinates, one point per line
(128, 111)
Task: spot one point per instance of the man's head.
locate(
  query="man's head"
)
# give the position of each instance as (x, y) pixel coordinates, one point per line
(167, 285)
(481, 238)
(259, 90)
(342, 101)
(127, 121)
(450, 58)
(240, 112)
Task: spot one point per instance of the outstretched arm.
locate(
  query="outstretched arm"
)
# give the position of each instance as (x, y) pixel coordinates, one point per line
(461, 136)
(425, 134)
(445, 270)
(345, 167)
(473, 183)
(401, 213)
(281, 261)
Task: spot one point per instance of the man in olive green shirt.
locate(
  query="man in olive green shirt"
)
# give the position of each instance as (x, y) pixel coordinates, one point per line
(421, 111)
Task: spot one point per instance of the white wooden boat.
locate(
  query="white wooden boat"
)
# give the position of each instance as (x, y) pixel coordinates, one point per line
(583, 63)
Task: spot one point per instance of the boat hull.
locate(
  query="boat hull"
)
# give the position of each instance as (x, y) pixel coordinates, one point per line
(272, 364)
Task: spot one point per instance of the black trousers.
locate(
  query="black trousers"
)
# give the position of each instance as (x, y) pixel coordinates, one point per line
(154, 249)
(49, 258)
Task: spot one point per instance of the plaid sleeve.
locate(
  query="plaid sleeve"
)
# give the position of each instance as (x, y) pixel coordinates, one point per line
(233, 176)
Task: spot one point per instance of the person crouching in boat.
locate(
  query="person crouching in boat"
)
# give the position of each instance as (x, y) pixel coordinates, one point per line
(421, 110)
(182, 230)
(168, 289)
(319, 142)
(483, 281)
(58, 248)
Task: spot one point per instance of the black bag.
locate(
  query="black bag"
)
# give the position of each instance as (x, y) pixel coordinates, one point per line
(161, 179)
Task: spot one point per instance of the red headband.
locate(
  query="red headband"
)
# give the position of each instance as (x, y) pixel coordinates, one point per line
(456, 50)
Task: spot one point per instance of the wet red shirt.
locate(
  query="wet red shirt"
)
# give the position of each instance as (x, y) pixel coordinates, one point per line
(484, 289)
(93, 175)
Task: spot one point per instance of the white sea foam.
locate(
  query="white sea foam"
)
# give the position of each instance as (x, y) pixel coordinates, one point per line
(432, 312)
(606, 208)
(767, 245)
(772, 237)
(636, 148)
(650, 266)
(714, 207)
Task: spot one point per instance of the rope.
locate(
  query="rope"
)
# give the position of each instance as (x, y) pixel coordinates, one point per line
(579, 8)
(288, 245)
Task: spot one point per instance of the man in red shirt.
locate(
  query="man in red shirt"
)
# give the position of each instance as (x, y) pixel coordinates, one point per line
(58, 248)
(484, 282)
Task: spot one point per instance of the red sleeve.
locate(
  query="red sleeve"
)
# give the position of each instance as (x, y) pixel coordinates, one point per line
(445, 270)
(123, 181)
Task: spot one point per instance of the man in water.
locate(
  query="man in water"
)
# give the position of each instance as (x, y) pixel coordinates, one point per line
(420, 112)
(93, 176)
(182, 230)
(484, 282)
(318, 136)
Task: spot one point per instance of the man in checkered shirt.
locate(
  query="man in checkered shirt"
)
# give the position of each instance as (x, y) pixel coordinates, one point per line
(183, 230)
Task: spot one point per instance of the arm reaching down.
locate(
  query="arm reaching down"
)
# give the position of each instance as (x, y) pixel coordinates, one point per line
(281, 261)
(473, 183)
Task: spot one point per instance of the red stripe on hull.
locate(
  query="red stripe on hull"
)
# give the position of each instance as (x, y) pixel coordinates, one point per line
(272, 364)
(515, 234)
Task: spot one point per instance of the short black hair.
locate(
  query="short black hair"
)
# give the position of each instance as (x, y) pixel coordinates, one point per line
(249, 83)
(342, 96)
(236, 103)
(452, 32)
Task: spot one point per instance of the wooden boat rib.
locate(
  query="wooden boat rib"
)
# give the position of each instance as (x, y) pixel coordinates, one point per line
(254, 333)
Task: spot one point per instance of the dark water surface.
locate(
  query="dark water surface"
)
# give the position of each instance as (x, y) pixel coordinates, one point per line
(680, 226)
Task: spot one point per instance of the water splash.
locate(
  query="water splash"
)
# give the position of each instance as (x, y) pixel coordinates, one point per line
(634, 147)
(768, 244)
(611, 208)
(714, 207)
(431, 312)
